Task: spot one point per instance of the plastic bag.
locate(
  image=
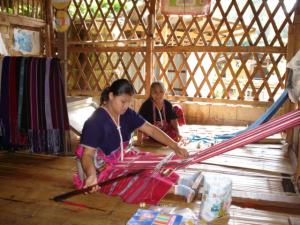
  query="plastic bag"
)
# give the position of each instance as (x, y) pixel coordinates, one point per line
(216, 198)
(293, 84)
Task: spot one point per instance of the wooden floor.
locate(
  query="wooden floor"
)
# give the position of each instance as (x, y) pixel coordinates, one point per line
(258, 171)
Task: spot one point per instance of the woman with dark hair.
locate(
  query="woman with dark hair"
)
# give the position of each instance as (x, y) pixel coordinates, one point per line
(160, 112)
(104, 137)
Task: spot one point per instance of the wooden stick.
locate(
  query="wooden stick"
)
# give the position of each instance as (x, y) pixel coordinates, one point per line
(62, 197)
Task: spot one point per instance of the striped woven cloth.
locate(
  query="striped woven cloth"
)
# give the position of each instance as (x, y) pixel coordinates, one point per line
(33, 111)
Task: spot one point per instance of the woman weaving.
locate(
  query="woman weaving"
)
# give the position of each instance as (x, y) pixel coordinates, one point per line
(104, 137)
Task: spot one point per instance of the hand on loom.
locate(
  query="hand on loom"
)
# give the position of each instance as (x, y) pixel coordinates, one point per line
(91, 182)
(178, 138)
(181, 152)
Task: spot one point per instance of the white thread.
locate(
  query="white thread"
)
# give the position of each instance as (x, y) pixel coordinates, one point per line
(121, 143)
(160, 116)
(117, 123)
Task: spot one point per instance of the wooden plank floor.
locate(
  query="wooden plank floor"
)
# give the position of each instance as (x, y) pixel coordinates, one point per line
(28, 182)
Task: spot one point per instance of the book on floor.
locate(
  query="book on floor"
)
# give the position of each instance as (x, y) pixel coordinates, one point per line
(151, 217)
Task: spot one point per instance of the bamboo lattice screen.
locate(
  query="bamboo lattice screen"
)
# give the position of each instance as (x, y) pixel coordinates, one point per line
(237, 52)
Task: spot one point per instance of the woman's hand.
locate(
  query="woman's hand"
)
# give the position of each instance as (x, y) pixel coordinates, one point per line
(181, 152)
(89, 169)
(178, 138)
(91, 181)
(163, 138)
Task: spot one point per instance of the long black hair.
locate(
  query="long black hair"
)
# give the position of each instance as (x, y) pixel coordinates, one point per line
(118, 87)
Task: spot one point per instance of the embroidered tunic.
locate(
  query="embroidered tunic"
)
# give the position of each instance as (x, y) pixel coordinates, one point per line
(100, 131)
(146, 111)
(160, 118)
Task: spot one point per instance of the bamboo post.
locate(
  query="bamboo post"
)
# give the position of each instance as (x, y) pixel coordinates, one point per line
(149, 47)
(65, 61)
(62, 55)
(49, 28)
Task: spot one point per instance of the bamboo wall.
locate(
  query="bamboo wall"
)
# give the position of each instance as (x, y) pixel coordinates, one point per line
(236, 53)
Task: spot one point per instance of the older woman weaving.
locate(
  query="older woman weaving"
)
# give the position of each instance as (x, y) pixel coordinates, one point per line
(104, 137)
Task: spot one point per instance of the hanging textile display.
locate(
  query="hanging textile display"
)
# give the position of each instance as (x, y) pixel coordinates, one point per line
(33, 110)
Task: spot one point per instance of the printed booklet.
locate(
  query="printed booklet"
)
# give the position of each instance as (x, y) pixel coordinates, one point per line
(151, 217)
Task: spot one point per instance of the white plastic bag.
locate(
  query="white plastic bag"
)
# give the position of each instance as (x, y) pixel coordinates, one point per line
(216, 197)
(293, 84)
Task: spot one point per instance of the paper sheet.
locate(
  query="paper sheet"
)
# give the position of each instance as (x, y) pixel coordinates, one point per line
(3, 50)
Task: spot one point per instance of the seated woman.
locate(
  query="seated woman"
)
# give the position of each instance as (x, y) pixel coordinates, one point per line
(104, 137)
(160, 112)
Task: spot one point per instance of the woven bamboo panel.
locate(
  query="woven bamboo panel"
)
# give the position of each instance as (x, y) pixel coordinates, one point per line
(102, 20)
(108, 42)
(237, 52)
(95, 70)
(30, 8)
(237, 76)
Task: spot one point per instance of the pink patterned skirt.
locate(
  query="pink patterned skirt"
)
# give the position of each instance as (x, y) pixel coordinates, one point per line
(145, 187)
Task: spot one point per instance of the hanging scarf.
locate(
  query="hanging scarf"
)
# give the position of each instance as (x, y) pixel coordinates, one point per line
(19, 138)
(4, 106)
(59, 115)
(12, 90)
(34, 132)
(25, 118)
(21, 91)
